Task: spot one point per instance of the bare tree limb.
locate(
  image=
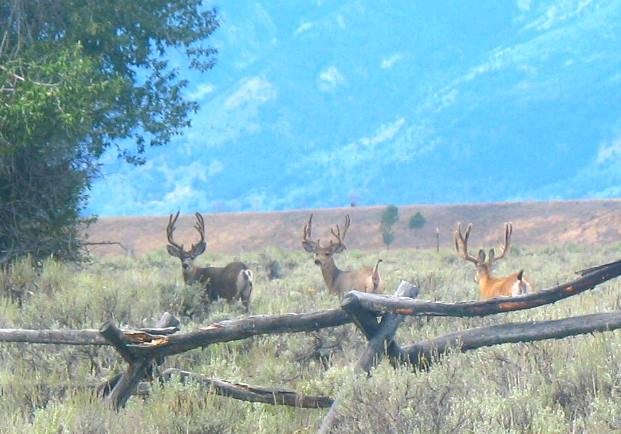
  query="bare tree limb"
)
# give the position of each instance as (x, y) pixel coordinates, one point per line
(247, 392)
(422, 353)
(406, 306)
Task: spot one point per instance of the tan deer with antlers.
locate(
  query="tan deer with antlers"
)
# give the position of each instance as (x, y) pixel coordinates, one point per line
(231, 282)
(490, 287)
(339, 281)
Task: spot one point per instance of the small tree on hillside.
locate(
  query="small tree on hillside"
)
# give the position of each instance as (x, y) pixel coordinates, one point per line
(417, 221)
(389, 217)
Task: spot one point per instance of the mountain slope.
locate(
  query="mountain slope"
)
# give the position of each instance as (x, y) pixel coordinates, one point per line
(319, 104)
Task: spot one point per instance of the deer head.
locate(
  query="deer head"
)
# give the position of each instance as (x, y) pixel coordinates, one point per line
(186, 256)
(339, 281)
(483, 264)
(324, 254)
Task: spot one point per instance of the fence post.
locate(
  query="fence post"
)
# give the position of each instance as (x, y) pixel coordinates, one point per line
(380, 336)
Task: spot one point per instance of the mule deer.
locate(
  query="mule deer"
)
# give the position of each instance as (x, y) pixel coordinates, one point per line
(338, 281)
(231, 282)
(490, 287)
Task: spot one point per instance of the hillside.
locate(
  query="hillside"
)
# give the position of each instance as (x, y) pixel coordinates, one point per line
(313, 104)
(535, 223)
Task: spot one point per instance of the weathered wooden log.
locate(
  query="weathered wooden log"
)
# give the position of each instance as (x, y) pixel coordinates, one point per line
(378, 335)
(236, 329)
(64, 337)
(384, 337)
(126, 386)
(85, 336)
(166, 323)
(421, 354)
(405, 306)
(117, 339)
(223, 331)
(247, 392)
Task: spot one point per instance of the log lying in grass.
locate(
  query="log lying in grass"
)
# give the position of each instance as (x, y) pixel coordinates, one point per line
(73, 337)
(380, 338)
(405, 306)
(119, 388)
(232, 330)
(64, 337)
(421, 354)
(126, 383)
(247, 392)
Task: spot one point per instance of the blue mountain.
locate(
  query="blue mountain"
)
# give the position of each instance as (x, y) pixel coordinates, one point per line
(321, 103)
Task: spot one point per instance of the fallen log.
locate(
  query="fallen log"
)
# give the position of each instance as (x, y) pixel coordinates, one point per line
(64, 337)
(422, 354)
(72, 337)
(118, 389)
(406, 306)
(247, 392)
(380, 338)
(236, 329)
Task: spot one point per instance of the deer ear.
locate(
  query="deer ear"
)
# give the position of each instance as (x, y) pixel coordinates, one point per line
(173, 251)
(491, 255)
(338, 248)
(309, 246)
(481, 256)
(198, 249)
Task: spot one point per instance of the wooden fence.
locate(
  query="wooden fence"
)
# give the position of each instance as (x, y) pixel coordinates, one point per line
(376, 316)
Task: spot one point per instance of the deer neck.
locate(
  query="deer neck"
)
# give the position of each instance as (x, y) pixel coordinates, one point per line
(195, 274)
(330, 272)
(484, 278)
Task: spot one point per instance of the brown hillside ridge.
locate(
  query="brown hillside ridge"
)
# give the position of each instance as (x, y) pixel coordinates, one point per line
(534, 223)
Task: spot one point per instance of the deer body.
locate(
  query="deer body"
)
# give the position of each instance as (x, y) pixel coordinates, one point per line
(231, 282)
(509, 286)
(489, 286)
(340, 281)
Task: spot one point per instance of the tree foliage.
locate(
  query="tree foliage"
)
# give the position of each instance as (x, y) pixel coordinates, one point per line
(76, 78)
(417, 221)
(390, 216)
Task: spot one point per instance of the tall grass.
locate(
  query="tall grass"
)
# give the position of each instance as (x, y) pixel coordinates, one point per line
(570, 385)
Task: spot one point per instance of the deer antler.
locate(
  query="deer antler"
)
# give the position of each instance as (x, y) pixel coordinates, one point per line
(462, 240)
(308, 244)
(341, 238)
(170, 228)
(199, 247)
(505, 247)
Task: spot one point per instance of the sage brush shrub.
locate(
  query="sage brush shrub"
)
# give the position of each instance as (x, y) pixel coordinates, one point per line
(569, 385)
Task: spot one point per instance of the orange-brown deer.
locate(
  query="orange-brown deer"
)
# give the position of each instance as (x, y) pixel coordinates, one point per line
(338, 281)
(490, 287)
(231, 282)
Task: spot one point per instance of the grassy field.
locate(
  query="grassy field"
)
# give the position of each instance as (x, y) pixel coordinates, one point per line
(571, 385)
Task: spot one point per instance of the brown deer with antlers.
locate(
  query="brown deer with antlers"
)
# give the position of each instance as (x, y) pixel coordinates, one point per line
(490, 287)
(231, 282)
(338, 281)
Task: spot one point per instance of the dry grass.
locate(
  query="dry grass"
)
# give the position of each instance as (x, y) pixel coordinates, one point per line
(571, 385)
